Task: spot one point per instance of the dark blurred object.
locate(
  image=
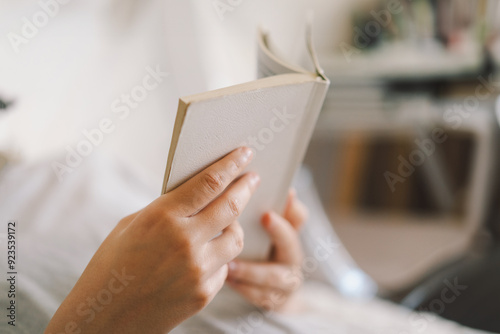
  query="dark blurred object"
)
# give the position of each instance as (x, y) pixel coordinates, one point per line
(412, 40)
(493, 218)
(493, 223)
(477, 303)
(418, 195)
(4, 104)
(466, 291)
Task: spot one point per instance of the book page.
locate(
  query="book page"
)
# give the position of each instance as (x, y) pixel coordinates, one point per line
(269, 64)
(276, 122)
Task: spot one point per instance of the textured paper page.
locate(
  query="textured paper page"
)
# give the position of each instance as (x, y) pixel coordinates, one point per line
(271, 122)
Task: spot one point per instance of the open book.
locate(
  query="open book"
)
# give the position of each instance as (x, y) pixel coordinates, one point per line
(275, 116)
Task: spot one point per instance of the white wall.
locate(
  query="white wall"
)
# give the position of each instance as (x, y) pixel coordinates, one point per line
(66, 77)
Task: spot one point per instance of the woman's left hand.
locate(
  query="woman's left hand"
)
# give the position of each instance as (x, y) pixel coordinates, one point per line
(271, 284)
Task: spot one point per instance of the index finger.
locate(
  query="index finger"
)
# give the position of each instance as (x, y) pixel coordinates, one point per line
(204, 187)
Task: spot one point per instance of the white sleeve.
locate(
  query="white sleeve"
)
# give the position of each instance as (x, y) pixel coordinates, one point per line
(326, 258)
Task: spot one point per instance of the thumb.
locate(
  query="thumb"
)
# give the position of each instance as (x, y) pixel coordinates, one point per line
(287, 248)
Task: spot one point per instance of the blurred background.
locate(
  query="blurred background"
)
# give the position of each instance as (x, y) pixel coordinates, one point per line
(405, 152)
(406, 144)
(404, 155)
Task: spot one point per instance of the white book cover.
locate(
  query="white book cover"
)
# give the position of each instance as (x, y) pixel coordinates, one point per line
(275, 116)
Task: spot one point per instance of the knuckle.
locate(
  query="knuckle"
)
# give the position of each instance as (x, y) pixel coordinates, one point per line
(234, 206)
(202, 295)
(195, 273)
(166, 214)
(184, 243)
(203, 268)
(235, 242)
(239, 240)
(234, 166)
(153, 221)
(156, 212)
(196, 200)
(213, 182)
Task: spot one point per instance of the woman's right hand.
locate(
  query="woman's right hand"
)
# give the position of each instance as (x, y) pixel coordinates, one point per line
(162, 264)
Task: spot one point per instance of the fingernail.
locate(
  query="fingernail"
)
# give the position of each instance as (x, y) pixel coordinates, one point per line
(267, 220)
(254, 179)
(247, 154)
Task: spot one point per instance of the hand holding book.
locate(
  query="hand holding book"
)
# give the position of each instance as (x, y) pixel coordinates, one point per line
(162, 264)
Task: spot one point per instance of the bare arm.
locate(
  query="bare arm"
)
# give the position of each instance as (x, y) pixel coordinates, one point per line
(161, 265)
